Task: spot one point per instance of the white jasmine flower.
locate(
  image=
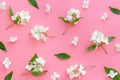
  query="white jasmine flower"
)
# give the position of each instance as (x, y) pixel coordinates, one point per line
(41, 61)
(98, 38)
(29, 67)
(74, 71)
(3, 5)
(36, 65)
(85, 3)
(21, 18)
(73, 16)
(75, 40)
(117, 46)
(48, 8)
(40, 33)
(7, 63)
(55, 76)
(82, 70)
(112, 74)
(13, 39)
(104, 16)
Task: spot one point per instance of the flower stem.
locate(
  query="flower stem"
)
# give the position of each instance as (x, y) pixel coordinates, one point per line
(104, 49)
(51, 36)
(10, 26)
(91, 66)
(25, 73)
(65, 30)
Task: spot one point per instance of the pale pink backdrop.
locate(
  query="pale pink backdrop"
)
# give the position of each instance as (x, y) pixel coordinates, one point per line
(21, 51)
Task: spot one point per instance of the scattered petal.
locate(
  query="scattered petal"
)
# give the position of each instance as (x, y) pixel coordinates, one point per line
(104, 16)
(3, 5)
(55, 75)
(48, 8)
(75, 41)
(117, 47)
(7, 63)
(13, 39)
(85, 3)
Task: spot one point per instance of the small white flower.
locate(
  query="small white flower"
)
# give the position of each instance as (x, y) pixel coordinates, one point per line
(75, 40)
(29, 67)
(3, 5)
(21, 18)
(82, 70)
(41, 61)
(7, 63)
(98, 37)
(104, 16)
(40, 33)
(48, 8)
(85, 3)
(117, 46)
(13, 39)
(72, 15)
(74, 71)
(112, 74)
(105, 40)
(55, 75)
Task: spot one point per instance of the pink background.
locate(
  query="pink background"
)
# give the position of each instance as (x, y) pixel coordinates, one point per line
(26, 46)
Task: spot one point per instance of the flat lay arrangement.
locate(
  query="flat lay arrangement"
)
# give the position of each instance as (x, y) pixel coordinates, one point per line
(59, 40)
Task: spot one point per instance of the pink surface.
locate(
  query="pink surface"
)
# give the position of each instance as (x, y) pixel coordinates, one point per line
(21, 52)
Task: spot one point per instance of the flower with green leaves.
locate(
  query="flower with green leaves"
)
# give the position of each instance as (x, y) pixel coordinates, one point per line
(21, 18)
(72, 17)
(99, 40)
(36, 65)
(112, 73)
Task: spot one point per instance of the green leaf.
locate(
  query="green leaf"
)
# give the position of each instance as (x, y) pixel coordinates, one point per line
(17, 20)
(9, 76)
(62, 18)
(63, 56)
(92, 47)
(2, 46)
(117, 77)
(75, 20)
(33, 58)
(115, 10)
(11, 12)
(107, 70)
(39, 73)
(111, 38)
(34, 3)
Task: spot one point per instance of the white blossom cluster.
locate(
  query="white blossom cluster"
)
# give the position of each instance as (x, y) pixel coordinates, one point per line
(21, 18)
(74, 71)
(37, 65)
